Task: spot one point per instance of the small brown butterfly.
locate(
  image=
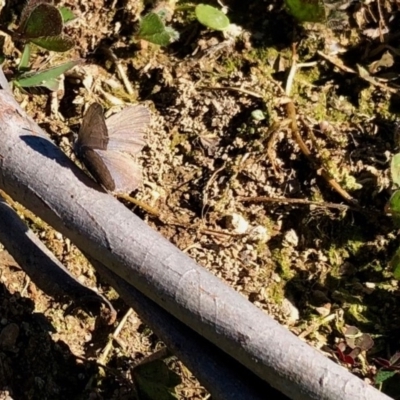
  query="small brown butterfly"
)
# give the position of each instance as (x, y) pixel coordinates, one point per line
(105, 146)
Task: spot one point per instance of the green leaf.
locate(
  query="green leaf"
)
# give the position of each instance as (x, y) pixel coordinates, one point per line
(211, 17)
(153, 30)
(42, 24)
(307, 10)
(394, 203)
(44, 20)
(395, 264)
(26, 54)
(66, 14)
(382, 376)
(53, 84)
(30, 5)
(393, 207)
(395, 169)
(54, 43)
(156, 381)
(257, 115)
(45, 78)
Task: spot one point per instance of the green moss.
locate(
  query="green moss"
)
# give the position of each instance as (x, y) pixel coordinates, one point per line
(340, 174)
(231, 65)
(336, 256)
(307, 75)
(276, 293)
(262, 55)
(283, 261)
(354, 246)
(369, 106)
(177, 139)
(358, 313)
(320, 108)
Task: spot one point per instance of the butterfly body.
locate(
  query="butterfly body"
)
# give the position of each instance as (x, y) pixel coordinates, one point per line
(106, 146)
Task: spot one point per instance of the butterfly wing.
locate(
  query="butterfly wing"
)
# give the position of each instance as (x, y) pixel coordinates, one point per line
(93, 132)
(116, 171)
(126, 129)
(97, 168)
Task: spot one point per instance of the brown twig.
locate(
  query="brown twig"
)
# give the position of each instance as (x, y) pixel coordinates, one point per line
(113, 371)
(209, 183)
(102, 359)
(234, 89)
(108, 51)
(140, 204)
(361, 73)
(382, 24)
(316, 324)
(215, 232)
(22, 210)
(324, 173)
(272, 135)
(265, 199)
(291, 114)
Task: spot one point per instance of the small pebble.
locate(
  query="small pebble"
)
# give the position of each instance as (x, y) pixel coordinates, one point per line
(291, 311)
(259, 234)
(237, 223)
(58, 235)
(324, 310)
(290, 239)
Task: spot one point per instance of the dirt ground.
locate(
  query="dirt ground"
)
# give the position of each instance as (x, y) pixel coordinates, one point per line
(305, 237)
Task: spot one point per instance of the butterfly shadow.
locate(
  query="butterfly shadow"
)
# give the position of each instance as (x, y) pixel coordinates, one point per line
(46, 148)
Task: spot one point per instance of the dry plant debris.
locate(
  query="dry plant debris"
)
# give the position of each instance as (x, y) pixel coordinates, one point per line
(235, 192)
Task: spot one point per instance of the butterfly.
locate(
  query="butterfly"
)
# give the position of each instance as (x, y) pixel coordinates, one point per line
(106, 146)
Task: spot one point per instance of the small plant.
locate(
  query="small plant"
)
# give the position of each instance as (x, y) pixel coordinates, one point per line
(47, 78)
(153, 29)
(155, 381)
(388, 369)
(41, 24)
(153, 26)
(393, 208)
(211, 17)
(355, 343)
(307, 10)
